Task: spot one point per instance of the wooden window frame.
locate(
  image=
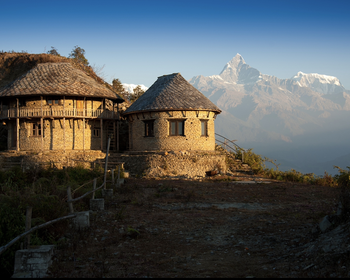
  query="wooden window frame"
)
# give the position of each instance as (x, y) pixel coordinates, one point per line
(205, 122)
(53, 102)
(96, 130)
(177, 121)
(35, 129)
(149, 128)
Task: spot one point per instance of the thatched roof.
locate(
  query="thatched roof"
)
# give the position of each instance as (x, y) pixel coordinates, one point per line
(172, 93)
(57, 79)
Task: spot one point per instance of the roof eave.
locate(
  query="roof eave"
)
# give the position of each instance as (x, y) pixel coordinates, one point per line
(170, 109)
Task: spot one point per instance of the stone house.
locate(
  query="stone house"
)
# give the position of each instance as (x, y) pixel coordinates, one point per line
(56, 107)
(172, 115)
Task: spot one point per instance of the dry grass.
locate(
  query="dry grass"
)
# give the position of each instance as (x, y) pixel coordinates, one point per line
(14, 65)
(149, 234)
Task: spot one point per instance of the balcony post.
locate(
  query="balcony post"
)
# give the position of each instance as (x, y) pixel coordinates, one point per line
(42, 124)
(17, 125)
(64, 124)
(84, 124)
(117, 127)
(101, 125)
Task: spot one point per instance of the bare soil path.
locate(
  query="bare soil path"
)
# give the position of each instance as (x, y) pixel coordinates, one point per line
(213, 228)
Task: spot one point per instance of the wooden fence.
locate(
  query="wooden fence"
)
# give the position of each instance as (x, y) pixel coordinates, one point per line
(70, 201)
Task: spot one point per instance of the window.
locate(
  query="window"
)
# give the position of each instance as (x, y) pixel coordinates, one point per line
(176, 127)
(204, 128)
(52, 101)
(36, 129)
(149, 128)
(96, 131)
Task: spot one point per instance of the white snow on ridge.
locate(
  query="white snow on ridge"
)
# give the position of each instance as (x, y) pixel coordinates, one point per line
(325, 79)
(216, 77)
(321, 83)
(130, 87)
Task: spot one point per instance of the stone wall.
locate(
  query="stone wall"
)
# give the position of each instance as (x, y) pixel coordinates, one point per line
(174, 164)
(56, 159)
(78, 134)
(139, 164)
(162, 141)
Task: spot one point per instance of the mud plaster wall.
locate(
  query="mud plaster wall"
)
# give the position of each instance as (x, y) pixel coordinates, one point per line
(184, 164)
(162, 141)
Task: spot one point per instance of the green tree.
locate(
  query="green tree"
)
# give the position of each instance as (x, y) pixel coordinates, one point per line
(118, 88)
(137, 93)
(53, 51)
(79, 54)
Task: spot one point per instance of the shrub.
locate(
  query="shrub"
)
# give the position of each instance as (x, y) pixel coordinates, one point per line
(12, 224)
(256, 162)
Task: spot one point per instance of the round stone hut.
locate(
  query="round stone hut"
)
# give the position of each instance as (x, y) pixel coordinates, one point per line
(55, 106)
(172, 115)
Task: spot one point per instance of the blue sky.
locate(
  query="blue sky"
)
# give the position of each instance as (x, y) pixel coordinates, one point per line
(137, 41)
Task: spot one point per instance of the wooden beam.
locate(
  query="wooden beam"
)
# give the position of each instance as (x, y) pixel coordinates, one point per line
(84, 108)
(118, 118)
(64, 124)
(17, 125)
(101, 126)
(42, 124)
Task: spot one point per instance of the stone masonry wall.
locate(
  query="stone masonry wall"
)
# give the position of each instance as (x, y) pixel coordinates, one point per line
(162, 141)
(53, 135)
(76, 136)
(56, 159)
(174, 164)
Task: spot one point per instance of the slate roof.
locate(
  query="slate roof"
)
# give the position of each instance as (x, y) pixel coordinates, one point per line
(57, 79)
(171, 93)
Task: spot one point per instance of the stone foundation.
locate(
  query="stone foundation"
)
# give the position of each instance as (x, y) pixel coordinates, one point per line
(54, 159)
(183, 164)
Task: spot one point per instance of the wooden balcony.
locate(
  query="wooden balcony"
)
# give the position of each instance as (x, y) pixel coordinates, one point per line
(57, 113)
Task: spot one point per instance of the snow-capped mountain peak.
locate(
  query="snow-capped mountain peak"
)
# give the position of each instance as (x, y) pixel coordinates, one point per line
(321, 83)
(236, 71)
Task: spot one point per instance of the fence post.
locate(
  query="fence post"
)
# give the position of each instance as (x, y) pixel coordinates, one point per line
(94, 187)
(28, 226)
(69, 195)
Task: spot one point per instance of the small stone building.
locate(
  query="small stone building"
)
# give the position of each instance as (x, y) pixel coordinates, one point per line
(56, 107)
(172, 115)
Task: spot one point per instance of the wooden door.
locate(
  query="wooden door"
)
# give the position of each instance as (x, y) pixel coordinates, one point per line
(80, 107)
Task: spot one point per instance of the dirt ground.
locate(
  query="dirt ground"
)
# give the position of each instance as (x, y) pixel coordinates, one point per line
(213, 228)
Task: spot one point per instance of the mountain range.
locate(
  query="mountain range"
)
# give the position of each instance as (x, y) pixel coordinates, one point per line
(302, 122)
(130, 87)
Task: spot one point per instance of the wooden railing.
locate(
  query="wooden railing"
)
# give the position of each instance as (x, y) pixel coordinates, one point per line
(52, 112)
(70, 200)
